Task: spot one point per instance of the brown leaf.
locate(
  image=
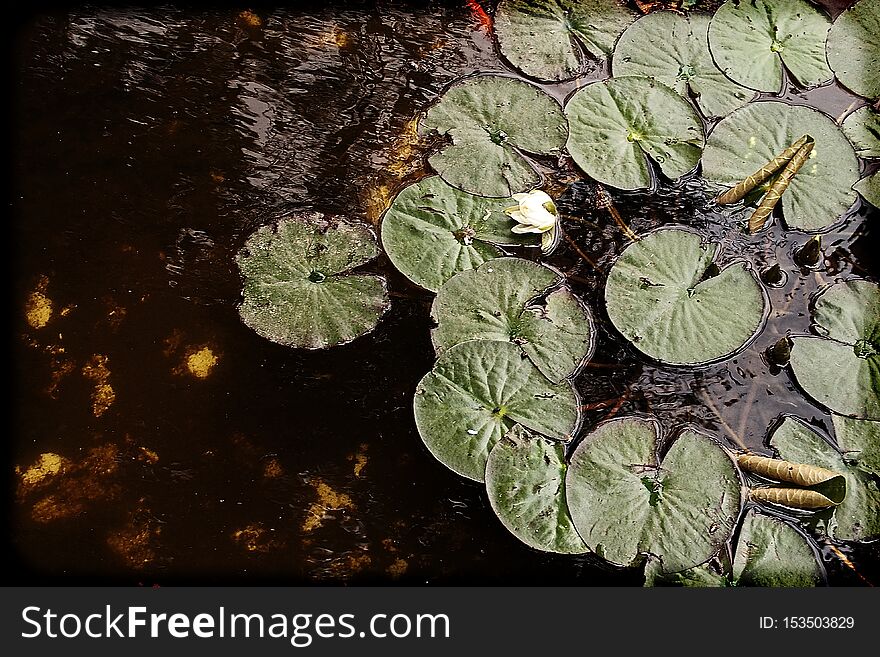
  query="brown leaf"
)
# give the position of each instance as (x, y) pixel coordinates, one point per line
(798, 498)
(794, 473)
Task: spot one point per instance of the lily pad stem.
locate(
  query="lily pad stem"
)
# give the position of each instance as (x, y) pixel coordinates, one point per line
(583, 255)
(603, 200)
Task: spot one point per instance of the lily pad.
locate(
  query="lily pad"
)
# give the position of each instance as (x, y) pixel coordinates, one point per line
(617, 124)
(491, 121)
(674, 49)
(859, 440)
(500, 301)
(854, 48)
(857, 518)
(525, 480)
(841, 370)
(751, 40)
(862, 127)
(771, 552)
(702, 576)
(869, 188)
(475, 394)
(626, 501)
(666, 295)
(298, 286)
(433, 231)
(820, 192)
(544, 38)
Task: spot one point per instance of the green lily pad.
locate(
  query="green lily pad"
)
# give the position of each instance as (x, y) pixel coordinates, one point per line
(854, 48)
(869, 188)
(820, 192)
(702, 576)
(616, 125)
(525, 480)
(544, 38)
(857, 518)
(433, 231)
(476, 392)
(666, 295)
(751, 40)
(491, 121)
(674, 49)
(626, 501)
(771, 552)
(859, 440)
(841, 370)
(499, 301)
(862, 127)
(298, 286)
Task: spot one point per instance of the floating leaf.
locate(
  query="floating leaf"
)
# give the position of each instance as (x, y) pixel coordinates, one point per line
(500, 301)
(779, 185)
(793, 473)
(820, 192)
(543, 38)
(674, 49)
(841, 370)
(666, 296)
(491, 121)
(525, 478)
(476, 392)
(771, 552)
(298, 286)
(433, 231)
(795, 498)
(858, 516)
(739, 191)
(854, 48)
(862, 127)
(752, 40)
(859, 440)
(869, 188)
(626, 502)
(699, 577)
(616, 125)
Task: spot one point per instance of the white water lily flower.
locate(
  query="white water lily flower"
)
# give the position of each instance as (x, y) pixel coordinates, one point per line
(536, 213)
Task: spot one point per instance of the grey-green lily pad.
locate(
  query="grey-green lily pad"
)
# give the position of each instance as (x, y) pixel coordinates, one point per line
(841, 369)
(666, 295)
(857, 518)
(491, 122)
(869, 188)
(504, 299)
(525, 480)
(859, 440)
(626, 501)
(702, 576)
(433, 231)
(771, 552)
(298, 287)
(752, 40)
(821, 191)
(616, 125)
(674, 49)
(544, 38)
(862, 127)
(854, 48)
(476, 392)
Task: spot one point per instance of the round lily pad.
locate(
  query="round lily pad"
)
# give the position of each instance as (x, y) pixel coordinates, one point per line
(674, 49)
(702, 576)
(869, 188)
(857, 517)
(854, 48)
(617, 124)
(752, 40)
(525, 480)
(626, 501)
(476, 392)
(771, 552)
(505, 299)
(862, 127)
(841, 370)
(491, 121)
(859, 441)
(298, 286)
(820, 192)
(433, 231)
(666, 295)
(544, 38)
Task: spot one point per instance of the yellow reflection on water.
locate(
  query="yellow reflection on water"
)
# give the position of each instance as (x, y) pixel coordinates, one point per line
(38, 307)
(200, 363)
(328, 500)
(103, 395)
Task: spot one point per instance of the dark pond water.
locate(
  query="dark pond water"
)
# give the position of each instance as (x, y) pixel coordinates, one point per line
(157, 439)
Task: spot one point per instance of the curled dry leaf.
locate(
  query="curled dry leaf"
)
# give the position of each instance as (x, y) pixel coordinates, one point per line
(801, 474)
(796, 498)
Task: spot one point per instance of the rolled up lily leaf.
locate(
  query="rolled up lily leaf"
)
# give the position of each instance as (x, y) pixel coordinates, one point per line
(739, 191)
(796, 498)
(777, 189)
(794, 473)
